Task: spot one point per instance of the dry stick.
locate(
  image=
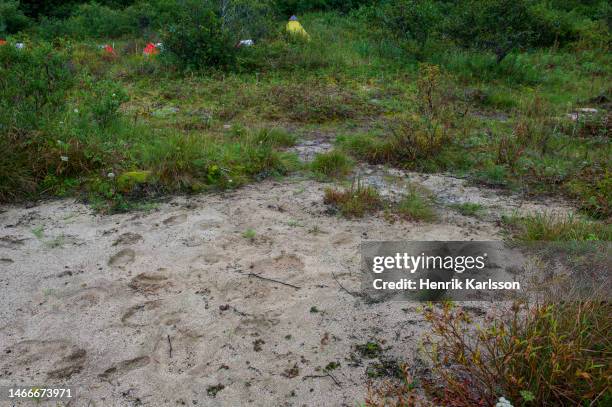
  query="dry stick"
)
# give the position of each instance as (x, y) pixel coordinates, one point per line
(341, 286)
(321, 376)
(273, 280)
(170, 343)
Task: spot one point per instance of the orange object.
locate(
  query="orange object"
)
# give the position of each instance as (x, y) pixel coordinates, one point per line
(150, 49)
(2, 42)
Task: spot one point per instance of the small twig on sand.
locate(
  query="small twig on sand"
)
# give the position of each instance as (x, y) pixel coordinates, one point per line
(342, 287)
(170, 344)
(321, 376)
(273, 280)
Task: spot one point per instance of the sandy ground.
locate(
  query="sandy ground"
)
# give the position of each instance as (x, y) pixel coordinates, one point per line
(162, 308)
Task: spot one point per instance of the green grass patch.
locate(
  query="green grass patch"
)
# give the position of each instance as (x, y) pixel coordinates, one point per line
(468, 208)
(549, 227)
(333, 164)
(415, 206)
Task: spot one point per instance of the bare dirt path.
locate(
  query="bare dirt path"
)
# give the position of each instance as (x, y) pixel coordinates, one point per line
(168, 307)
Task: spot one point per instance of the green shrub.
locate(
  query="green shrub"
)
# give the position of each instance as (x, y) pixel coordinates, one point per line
(12, 19)
(409, 21)
(198, 39)
(289, 7)
(547, 354)
(33, 87)
(502, 26)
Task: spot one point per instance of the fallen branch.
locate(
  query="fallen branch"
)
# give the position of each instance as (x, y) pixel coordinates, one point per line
(273, 280)
(170, 344)
(322, 376)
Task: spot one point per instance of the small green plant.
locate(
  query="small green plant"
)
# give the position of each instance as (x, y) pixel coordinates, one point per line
(213, 390)
(369, 350)
(314, 309)
(468, 208)
(333, 164)
(39, 232)
(354, 202)
(249, 234)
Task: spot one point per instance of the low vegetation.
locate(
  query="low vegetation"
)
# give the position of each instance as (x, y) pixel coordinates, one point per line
(416, 206)
(355, 201)
(551, 354)
(333, 164)
(552, 227)
(468, 208)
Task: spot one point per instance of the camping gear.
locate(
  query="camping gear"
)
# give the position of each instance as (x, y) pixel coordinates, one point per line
(150, 49)
(246, 43)
(2, 42)
(295, 28)
(20, 45)
(109, 49)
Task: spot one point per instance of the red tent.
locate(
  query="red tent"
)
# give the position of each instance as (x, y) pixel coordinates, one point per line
(109, 49)
(150, 49)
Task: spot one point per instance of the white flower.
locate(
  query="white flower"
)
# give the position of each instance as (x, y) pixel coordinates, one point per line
(64, 158)
(111, 175)
(114, 95)
(230, 181)
(76, 110)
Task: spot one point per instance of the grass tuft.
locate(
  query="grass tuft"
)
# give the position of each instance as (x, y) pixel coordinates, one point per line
(333, 164)
(468, 208)
(416, 207)
(354, 202)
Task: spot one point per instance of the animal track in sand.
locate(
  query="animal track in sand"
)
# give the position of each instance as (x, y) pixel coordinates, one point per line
(127, 238)
(175, 220)
(206, 259)
(283, 264)
(56, 359)
(87, 297)
(11, 242)
(260, 324)
(124, 367)
(140, 314)
(122, 257)
(149, 283)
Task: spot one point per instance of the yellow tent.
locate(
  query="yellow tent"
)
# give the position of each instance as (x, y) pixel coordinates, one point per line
(295, 28)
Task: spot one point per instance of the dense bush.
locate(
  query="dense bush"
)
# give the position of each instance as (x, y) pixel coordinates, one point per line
(546, 355)
(199, 39)
(412, 21)
(12, 18)
(505, 25)
(33, 89)
(289, 7)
